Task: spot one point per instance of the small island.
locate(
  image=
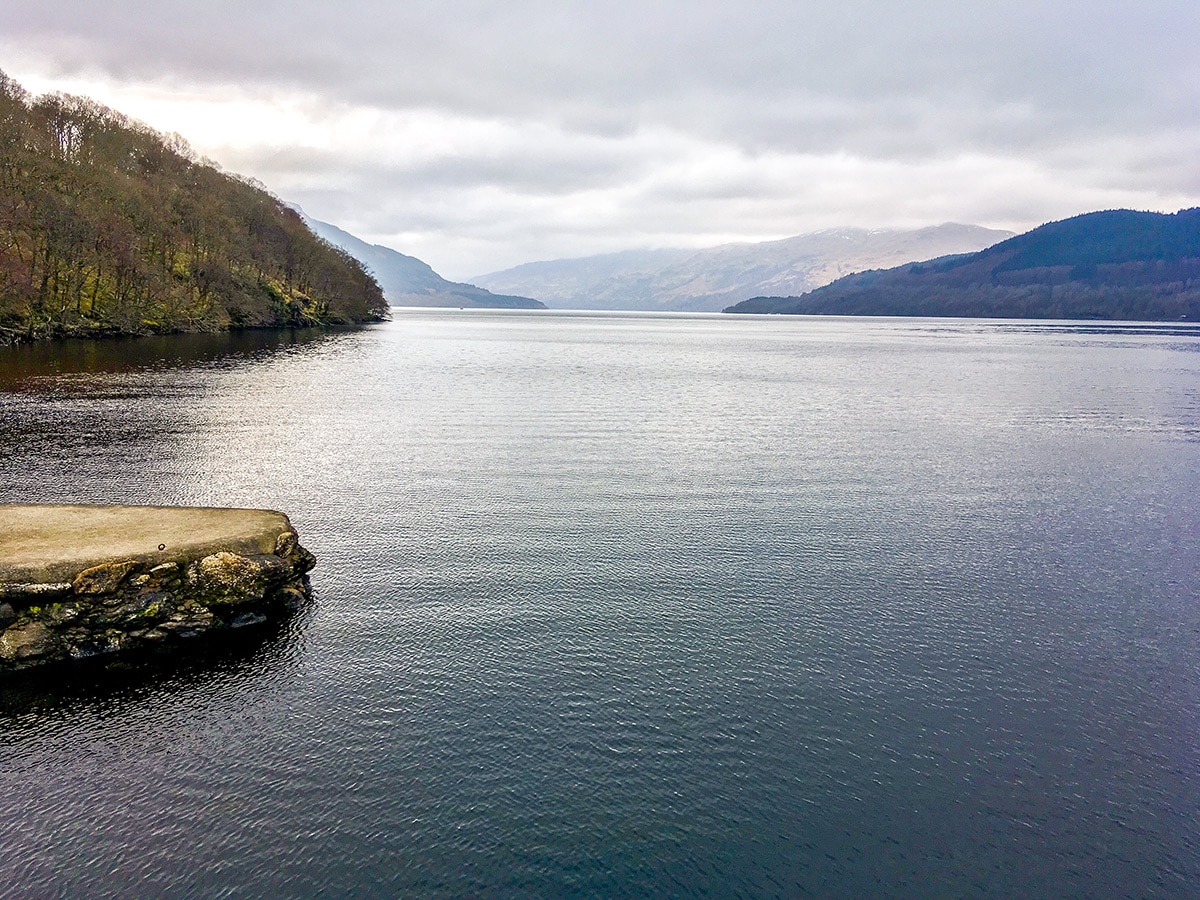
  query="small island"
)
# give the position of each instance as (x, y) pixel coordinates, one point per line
(83, 581)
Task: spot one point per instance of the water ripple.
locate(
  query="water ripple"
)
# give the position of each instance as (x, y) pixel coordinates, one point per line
(641, 605)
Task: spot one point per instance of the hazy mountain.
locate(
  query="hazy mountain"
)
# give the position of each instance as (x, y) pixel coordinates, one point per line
(713, 278)
(1118, 264)
(406, 281)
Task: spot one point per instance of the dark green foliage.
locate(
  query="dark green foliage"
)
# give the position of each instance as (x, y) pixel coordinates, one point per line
(1117, 264)
(107, 227)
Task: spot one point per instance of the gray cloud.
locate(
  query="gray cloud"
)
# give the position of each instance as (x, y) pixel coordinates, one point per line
(483, 134)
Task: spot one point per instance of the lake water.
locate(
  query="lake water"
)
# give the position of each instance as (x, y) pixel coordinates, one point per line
(625, 605)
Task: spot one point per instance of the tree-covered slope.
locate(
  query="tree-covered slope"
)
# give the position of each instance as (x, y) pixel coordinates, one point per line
(1117, 264)
(107, 227)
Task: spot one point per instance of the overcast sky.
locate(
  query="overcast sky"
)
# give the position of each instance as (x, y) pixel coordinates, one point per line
(478, 135)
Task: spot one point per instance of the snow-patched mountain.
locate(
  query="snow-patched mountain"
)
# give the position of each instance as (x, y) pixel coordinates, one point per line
(716, 277)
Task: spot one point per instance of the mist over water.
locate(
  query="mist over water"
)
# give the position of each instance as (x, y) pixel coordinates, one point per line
(639, 605)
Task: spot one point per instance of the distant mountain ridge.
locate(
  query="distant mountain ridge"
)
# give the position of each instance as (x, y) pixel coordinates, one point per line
(1114, 264)
(712, 278)
(407, 281)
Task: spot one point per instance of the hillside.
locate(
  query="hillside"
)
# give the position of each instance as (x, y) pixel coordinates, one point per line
(107, 227)
(710, 279)
(406, 281)
(1117, 264)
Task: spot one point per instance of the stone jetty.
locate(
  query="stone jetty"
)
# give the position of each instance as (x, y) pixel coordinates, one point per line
(79, 581)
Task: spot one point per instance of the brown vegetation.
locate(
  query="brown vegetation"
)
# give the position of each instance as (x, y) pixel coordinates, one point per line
(108, 227)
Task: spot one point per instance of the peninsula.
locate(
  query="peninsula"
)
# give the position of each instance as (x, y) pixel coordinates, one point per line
(408, 281)
(80, 581)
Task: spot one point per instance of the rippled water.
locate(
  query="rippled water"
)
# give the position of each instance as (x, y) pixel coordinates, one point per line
(635, 605)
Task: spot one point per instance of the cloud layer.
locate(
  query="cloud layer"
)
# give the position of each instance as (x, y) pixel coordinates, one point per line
(479, 135)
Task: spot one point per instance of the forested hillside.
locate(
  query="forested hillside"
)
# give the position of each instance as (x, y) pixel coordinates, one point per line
(108, 227)
(1116, 264)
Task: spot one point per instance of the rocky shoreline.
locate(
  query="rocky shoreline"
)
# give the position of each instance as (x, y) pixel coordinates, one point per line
(84, 581)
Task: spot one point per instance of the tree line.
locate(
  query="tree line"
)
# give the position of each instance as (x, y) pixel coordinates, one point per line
(109, 227)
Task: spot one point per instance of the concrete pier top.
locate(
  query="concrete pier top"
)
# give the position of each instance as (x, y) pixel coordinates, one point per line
(44, 544)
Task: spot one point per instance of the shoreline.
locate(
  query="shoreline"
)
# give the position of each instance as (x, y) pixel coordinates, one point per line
(11, 337)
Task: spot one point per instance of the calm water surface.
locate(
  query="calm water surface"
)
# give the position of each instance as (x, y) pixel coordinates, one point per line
(632, 605)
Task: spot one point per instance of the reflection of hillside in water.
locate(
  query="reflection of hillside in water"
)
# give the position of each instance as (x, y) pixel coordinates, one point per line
(1057, 326)
(91, 412)
(23, 366)
(102, 686)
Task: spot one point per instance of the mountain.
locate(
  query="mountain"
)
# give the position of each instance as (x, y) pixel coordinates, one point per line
(108, 227)
(1117, 264)
(407, 281)
(710, 279)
